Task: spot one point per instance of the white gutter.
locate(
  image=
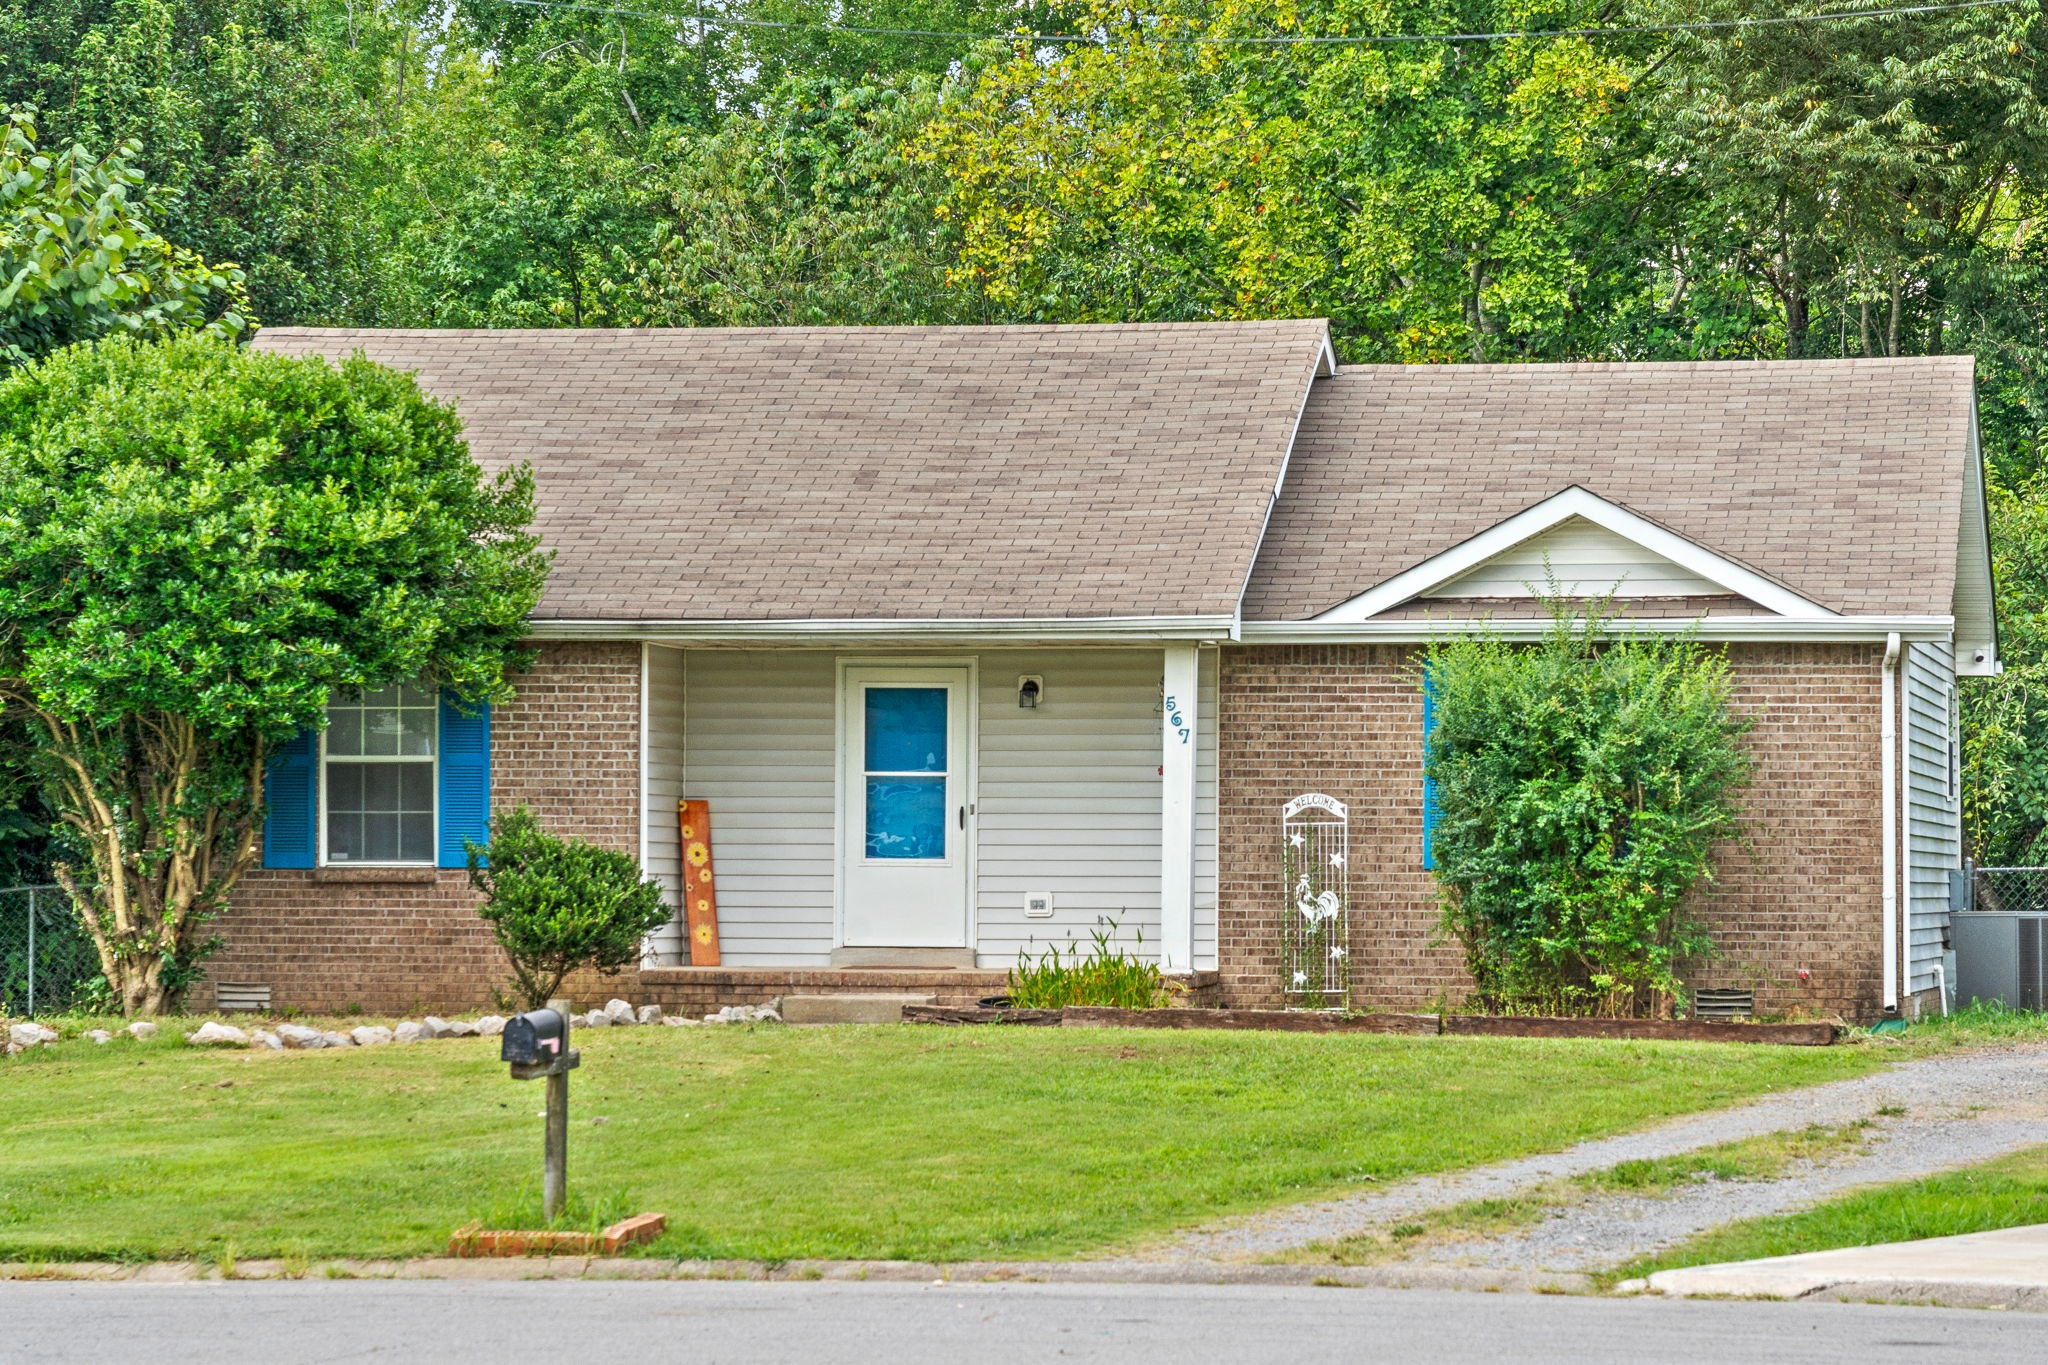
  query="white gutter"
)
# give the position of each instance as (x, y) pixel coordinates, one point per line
(1815, 629)
(1104, 629)
(1888, 800)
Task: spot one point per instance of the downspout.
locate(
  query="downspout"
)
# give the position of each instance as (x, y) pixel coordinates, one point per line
(1888, 800)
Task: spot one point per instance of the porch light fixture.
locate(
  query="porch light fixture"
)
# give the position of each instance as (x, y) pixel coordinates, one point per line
(1029, 688)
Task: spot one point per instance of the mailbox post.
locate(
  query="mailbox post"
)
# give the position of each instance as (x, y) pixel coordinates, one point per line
(537, 1046)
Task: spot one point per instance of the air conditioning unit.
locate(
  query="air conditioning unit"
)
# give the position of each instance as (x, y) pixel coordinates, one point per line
(2002, 956)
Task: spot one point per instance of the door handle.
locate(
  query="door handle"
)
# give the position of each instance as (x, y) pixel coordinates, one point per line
(963, 817)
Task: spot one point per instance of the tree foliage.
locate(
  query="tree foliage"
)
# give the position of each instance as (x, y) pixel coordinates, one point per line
(813, 214)
(2005, 719)
(1582, 789)
(79, 259)
(1429, 199)
(198, 546)
(559, 905)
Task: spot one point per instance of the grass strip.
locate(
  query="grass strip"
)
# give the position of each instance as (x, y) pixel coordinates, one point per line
(2011, 1191)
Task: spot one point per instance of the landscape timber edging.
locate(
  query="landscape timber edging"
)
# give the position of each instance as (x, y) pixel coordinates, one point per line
(1673, 1030)
(1317, 1021)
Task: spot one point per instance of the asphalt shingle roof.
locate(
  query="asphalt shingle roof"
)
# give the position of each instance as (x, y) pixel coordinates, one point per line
(878, 473)
(1841, 480)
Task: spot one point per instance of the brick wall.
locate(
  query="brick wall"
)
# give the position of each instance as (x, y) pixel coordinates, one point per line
(1347, 720)
(408, 940)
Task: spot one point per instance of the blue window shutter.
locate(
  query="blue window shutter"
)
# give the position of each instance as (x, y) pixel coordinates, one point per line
(291, 787)
(1428, 782)
(465, 780)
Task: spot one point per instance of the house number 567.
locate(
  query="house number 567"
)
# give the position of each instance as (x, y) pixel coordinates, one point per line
(1176, 719)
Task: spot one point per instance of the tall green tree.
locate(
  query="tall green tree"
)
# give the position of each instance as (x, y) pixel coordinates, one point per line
(813, 213)
(199, 545)
(79, 258)
(1428, 197)
(1842, 188)
(245, 115)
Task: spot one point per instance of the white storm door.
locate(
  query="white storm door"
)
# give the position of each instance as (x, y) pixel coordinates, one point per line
(903, 757)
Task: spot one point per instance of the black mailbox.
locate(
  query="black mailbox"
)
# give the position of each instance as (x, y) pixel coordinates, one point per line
(535, 1038)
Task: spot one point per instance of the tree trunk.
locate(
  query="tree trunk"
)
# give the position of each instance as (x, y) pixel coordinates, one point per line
(168, 818)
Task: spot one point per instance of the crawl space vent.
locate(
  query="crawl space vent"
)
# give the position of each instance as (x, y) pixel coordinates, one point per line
(229, 996)
(1725, 1004)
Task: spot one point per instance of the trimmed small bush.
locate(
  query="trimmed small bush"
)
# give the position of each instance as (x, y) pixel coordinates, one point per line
(559, 904)
(1582, 788)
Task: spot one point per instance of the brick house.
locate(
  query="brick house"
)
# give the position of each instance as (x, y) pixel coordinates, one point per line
(975, 639)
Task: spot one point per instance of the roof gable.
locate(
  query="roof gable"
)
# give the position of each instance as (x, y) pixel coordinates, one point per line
(1841, 481)
(1592, 547)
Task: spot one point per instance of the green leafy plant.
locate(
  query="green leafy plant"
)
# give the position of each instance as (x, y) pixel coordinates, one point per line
(558, 905)
(199, 546)
(1582, 785)
(1106, 976)
(79, 259)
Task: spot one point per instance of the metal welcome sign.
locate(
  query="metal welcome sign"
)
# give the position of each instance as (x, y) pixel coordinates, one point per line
(1315, 938)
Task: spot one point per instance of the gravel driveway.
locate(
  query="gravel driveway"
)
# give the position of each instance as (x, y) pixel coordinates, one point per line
(1959, 1108)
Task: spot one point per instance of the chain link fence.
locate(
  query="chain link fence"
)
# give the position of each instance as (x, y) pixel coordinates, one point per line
(46, 959)
(2021, 889)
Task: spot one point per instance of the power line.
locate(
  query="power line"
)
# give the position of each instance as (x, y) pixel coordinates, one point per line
(1277, 40)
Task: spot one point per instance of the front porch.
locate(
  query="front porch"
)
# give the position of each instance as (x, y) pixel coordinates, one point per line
(911, 820)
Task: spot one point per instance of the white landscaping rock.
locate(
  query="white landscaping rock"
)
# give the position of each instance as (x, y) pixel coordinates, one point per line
(298, 1036)
(30, 1035)
(436, 1027)
(459, 1028)
(490, 1026)
(336, 1040)
(409, 1032)
(648, 1014)
(677, 1021)
(597, 1019)
(620, 1012)
(210, 1034)
(142, 1030)
(745, 1014)
(100, 1036)
(370, 1035)
(265, 1038)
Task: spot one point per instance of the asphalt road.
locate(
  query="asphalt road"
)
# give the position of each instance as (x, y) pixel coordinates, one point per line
(625, 1323)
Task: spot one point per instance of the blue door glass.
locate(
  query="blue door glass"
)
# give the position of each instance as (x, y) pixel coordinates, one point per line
(905, 739)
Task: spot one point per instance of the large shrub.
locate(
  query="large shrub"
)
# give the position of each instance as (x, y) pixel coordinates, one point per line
(199, 546)
(558, 905)
(1581, 789)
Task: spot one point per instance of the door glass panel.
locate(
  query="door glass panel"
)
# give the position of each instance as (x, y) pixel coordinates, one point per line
(905, 735)
(906, 817)
(906, 729)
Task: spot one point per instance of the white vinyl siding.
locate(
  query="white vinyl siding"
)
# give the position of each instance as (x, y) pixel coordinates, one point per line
(1933, 809)
(758, 745)
(1067, 797)
(1070, 801)
(1588, 560)
(663, 754)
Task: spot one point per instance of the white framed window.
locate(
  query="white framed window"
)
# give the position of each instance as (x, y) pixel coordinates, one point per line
(379, 762)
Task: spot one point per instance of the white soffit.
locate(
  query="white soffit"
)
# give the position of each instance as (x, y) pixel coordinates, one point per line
(1689, 564)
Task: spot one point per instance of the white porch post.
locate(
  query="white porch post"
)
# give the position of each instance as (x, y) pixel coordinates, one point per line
(1178, 745)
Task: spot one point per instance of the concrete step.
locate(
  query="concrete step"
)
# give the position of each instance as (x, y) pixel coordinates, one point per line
(906, 958)
(863, 1008)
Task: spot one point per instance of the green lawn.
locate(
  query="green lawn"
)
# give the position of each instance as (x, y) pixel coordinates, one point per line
(782, 1143)
(2009, 1192)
